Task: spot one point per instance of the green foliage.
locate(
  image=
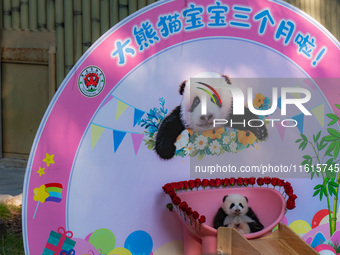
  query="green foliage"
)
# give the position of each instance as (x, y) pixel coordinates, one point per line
(324, 162)
(5, 212)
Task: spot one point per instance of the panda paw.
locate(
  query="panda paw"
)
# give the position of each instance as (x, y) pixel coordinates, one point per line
(165, 149)
(260, 132)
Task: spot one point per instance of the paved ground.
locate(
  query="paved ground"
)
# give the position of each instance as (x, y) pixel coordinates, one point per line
(12, 174)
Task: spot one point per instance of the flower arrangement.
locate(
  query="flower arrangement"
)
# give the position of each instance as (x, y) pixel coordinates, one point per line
(195, 218)
(210, 142)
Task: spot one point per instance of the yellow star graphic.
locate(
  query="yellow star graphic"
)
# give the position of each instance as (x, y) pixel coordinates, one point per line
(49, 159)
(41, 171)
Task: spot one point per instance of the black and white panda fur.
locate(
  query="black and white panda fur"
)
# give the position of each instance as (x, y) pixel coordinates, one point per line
(188, 115)
(235, 213)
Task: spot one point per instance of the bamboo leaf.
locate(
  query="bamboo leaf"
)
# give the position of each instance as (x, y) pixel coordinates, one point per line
(333, 132)
(298, 140)
(307, 157)
(304, 137)
(318, 136)
(330, 138)
(314, 138)
(338, 105)
(334, 184)
(318, 186)
(332, 116)
(332, 122)
(336, 149)
(330, 147)
(301, 145)
(304, 147)
(323, 146)
(321, 193)
(331, 190)
(305, 162)
(316, 192)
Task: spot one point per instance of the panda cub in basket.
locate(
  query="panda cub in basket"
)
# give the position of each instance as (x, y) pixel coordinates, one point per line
(235, 213)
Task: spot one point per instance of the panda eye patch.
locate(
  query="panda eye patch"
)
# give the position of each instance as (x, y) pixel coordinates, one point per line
(232, 205)
(216, 100)
(240, 205)
(195, 103)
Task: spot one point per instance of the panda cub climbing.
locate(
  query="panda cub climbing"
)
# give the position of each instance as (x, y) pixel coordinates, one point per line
(189, 115)
(235, 213)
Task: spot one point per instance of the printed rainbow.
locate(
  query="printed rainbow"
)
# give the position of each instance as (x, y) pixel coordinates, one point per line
(54, 190)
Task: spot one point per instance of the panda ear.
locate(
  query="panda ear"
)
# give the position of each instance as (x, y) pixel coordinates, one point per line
(246, 199)
(225, 198)
(181, 87)
(227, 79)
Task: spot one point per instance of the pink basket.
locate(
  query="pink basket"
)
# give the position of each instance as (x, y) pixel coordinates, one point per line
(267, 203)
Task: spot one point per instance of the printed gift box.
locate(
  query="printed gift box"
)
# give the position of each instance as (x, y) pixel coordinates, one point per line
(59, 242)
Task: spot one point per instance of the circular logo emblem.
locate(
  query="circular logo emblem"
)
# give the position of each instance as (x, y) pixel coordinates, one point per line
(91, 81)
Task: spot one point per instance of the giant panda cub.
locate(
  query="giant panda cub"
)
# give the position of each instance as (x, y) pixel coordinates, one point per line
(188, 115)
(235, 213)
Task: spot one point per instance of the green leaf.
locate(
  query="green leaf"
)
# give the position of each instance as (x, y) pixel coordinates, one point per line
(304, 147)
(304, 137)
(331, 190)
(333, 132)
(323, 146)
(332, 116)
(312, 174)
(316, 192)
(338, 105)
(305, 162)
(301, 145)
(330, 147)
(318, 186)
(314, 138)
(334, 184)
(336, 149)
(298, 140)
(318, 136)
(200, 156)
(332, 122)
(307, 157)
(194, 153)
(330, 138)
(321, 192)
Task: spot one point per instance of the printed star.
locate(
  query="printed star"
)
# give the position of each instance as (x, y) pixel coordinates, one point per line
(49, 159)
(41, 171)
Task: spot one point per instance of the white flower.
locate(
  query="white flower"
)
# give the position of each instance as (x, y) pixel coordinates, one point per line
(226, 140)
(182, 140)
(215, 147)
(201, 142)
(232, 134)
(189, 148)
(233, 146)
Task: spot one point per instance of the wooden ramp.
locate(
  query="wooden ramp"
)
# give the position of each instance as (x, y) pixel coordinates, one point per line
(283, 241)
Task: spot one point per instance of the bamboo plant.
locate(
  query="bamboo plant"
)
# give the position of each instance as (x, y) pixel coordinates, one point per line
(325, 163)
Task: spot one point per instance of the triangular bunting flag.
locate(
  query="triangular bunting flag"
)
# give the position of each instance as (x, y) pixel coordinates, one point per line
(96, 132)
(137, 140)
(319, 113)
(137, 116)
(299, 119)
(279, 102)
(121, 107)
(107, 100)
(281, 129)
(118, 137)
(296, 95)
